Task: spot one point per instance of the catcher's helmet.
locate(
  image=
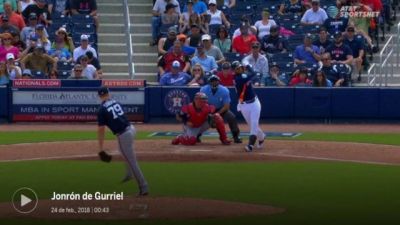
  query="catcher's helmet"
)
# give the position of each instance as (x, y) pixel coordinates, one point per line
(200, 95)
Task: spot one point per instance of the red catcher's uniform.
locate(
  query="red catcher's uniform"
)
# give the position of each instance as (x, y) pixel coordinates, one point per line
(196, 117)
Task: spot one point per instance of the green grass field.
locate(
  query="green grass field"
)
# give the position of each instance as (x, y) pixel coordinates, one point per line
(313, 193)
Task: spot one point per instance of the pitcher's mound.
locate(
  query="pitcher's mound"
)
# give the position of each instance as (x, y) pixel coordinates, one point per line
(142, 208)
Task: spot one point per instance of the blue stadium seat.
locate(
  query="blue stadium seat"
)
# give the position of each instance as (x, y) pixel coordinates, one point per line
(84, 29)
(64, 74)
(230, 56)
(64, 66)
(280, 58)
(82, 19)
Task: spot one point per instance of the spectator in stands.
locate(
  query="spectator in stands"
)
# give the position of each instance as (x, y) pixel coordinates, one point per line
(245, 21)
(207, 62)
(320, 80)
(274, 43)
(13, 4)
(307, 52)
(356, 45)
(165, 43)
(217, 17)
(175, 77)
(169, 16)
(315, 15)
(59, 52)
(165, 63)
(361, 23)
(199, 7)
(189, 51)
(336, 76)
(158, 9)
(4, 77)
(28, 30)
(41, 10)
(258, 61)
(93, 61)
(77, 73)
(184, 25)
(195, 19)
(291, 6)
(222, 40)
(14, 18)
(340, 52)
(22, 4)
(229, 3)
(85, 7)
(6, 27)
(335, 22)
(38, 60)
(276, 78)
(83, 48)
(13, 70)
(7, 47)
(300, 78)
(264, 25)
(68, 42)
(59, 7)
(53, 75)
(89, 71)
(27, 74)
(226, 75)
(30, 45)
(211, 50)
(195, 36)
(198, 76)
(42, 38)
(17, 42)
(323, 41)
(242, 43)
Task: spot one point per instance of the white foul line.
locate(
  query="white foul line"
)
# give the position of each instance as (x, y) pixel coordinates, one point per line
(56, 157)
(329, 159)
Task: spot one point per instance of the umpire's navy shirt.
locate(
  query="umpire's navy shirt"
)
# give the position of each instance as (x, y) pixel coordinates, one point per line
(111, 115)
(241, 81)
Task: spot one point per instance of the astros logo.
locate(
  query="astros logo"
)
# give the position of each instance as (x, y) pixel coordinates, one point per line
(175, 99)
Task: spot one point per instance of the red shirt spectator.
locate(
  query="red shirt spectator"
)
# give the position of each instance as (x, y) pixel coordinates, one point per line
(300, 78)
(226, 76)
(242, 43)
(177, 54)
(13, 18)
(376, 5)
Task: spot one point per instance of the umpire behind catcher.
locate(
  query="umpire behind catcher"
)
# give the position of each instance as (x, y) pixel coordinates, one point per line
(219, 97)
(112, 115)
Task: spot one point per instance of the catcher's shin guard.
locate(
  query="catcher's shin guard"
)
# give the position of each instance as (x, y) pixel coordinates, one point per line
(219, 124)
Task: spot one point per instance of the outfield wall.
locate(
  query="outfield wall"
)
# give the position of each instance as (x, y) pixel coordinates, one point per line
(23, 102)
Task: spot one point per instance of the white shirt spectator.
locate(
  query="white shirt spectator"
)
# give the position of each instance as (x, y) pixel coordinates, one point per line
(159, 6)
(263, 29)
(89, 72)
(317, 17)
(13, 72)
(216, 17)
(79, 51)
(25, 3)
(260, 65)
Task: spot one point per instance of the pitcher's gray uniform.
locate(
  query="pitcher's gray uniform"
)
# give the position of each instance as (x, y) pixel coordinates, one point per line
(112, 115)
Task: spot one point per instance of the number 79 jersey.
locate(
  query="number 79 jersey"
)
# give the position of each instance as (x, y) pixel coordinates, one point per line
(112, 115)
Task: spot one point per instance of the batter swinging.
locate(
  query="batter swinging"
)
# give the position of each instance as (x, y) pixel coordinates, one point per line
(248, 104)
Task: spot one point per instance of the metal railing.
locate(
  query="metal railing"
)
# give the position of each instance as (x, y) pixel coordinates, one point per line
(384, 56)
(128, 35)
(372, 75)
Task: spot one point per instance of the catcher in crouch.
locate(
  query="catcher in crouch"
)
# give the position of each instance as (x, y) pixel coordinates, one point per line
(197, 117)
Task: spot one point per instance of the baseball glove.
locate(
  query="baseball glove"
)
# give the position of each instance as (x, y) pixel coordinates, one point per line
(105, 157)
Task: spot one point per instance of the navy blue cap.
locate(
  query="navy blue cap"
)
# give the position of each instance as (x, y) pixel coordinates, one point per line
(103, 90)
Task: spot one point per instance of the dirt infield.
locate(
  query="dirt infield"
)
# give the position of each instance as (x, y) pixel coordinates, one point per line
(141, 208)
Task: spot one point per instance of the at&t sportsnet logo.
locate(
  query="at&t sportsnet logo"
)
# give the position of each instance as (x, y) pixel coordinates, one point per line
(357, 11)
(175, 99)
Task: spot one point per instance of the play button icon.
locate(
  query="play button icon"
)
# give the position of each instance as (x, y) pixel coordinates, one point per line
(24, 200)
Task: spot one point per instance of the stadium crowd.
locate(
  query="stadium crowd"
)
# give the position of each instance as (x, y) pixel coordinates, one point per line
(55, 39)
(321, 43)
